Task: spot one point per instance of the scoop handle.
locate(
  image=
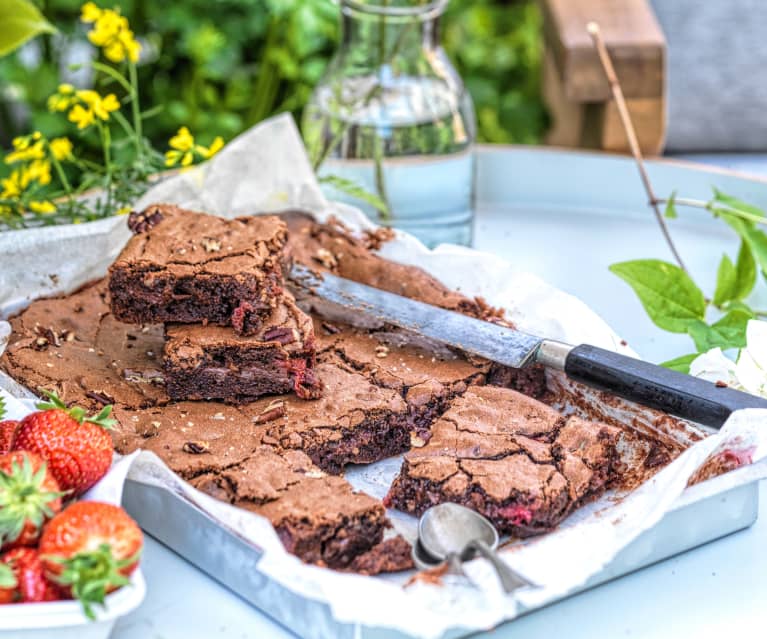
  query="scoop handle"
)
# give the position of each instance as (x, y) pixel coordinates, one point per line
(510, 580)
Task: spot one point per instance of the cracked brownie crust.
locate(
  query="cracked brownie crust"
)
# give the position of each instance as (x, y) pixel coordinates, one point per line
(214, 362)
(189, 267)
(518, 462)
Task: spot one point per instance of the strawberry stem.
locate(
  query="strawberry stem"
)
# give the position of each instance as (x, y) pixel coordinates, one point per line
(91, 574)
(76, 412)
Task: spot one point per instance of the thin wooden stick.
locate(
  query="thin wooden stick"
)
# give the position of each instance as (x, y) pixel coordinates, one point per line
(620, 102)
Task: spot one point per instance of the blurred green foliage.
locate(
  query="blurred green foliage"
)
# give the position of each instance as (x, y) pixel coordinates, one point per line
(219, 66)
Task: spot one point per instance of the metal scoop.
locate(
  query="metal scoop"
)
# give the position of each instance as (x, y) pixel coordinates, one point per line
(453, 533)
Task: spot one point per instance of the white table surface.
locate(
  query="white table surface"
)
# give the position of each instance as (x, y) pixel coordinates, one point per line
(717, 590)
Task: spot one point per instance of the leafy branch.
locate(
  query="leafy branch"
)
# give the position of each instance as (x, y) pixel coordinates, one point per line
(668, 293)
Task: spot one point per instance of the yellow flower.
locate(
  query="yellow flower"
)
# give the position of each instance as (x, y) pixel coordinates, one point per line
(61, 148)
(101, 106)
(62, 99)
(123, 211)
(24, 150)
(112, 33)
(182, 145)
(183, 140)
(42, 206)
(83, 118)
(215, 147)
(39, 170)
(90, 12)
(13, 185)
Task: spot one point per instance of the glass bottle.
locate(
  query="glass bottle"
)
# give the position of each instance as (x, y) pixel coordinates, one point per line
(392, 116)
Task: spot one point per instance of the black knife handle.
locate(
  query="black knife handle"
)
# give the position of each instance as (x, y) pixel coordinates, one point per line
(670, 391)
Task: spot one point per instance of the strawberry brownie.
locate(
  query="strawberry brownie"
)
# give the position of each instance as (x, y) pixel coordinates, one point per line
(182, 266)
(226, 453)
(509, 457)
(214, 362)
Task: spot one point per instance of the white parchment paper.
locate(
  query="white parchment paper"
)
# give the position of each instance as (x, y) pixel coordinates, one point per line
(266, 170)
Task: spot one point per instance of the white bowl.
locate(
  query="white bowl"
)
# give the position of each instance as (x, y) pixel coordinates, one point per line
(65, 619)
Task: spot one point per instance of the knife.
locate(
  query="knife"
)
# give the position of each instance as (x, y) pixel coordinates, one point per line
(654, 386)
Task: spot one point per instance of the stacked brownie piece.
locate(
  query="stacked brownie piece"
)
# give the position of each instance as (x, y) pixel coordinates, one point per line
(232, 330)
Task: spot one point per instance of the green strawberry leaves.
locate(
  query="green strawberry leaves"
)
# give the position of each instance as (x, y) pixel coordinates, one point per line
(92, 574)
(23, 499)
(77, 413)
(7, 578)
(3, 410)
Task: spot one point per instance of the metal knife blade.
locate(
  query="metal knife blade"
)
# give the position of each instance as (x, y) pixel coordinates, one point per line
(491, 341)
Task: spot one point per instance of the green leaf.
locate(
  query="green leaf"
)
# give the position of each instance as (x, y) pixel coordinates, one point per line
(7, 578)
(681, 364)
(670, 211)
(20, 20)
(754, 238)
(351, 188)
(669, 296)
(745, 272)
(735, 203)
(2, 407)
(725, 282)
(728, 332)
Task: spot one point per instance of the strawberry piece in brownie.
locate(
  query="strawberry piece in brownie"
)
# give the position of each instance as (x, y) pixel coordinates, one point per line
(214, 362)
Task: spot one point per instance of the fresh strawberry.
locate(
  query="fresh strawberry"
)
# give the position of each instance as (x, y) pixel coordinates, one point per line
(78, 449)
(23, 580)
(8, 430)
(29, 496)
(90, 549)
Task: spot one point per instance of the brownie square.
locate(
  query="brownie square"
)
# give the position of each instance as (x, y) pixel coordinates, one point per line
(214, 362)
(427, 379)
(354, 422)
(187, 267)
(319, 518)
(516, 461)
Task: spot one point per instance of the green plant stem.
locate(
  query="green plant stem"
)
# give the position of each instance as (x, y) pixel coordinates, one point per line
(136, 110)
(710, 206)
(62, 176)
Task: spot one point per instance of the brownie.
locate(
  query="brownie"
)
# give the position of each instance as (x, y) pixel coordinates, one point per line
(354, 422)
(74, 346)
(427, 379)
(516, 461)
(187, 267)
(318, 517)
(214, 362)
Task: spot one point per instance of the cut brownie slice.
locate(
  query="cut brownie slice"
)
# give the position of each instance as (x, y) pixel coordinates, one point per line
(189, 267)
(354, 422)
(518, 462)
(214, 362)
(319, 518)
(428, 379)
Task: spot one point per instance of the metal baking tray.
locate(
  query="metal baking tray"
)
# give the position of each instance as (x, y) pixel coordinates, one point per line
(582, 205)
(233, 561)
(517, 183)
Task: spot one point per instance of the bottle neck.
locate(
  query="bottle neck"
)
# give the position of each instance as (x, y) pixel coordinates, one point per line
(376, 39)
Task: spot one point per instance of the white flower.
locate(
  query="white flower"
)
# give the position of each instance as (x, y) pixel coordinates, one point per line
(749, 373)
